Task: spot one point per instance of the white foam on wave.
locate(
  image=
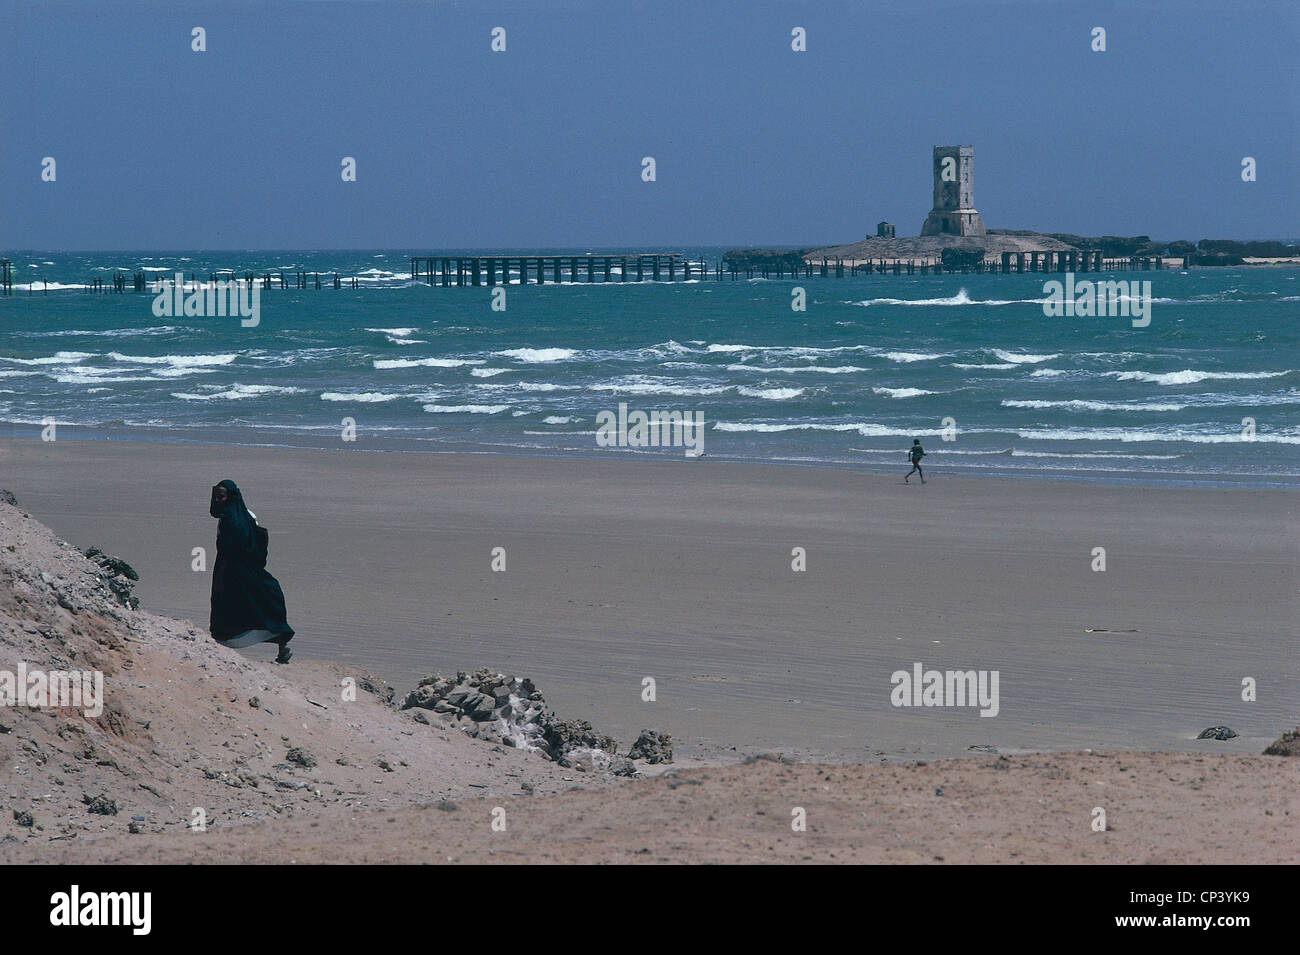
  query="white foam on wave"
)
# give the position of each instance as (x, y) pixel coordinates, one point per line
(961, 298)
(381, 363)
(237, 392)
(902, 392)
(1139, 436)
(106, 332)
(466, 409)
(369, 397)
(528, 386)
(991, 366)
(864, 429)
(560, 419)
(1189, 376)
(408, 341)
(58, 358)
(488, 372)
(771, 394)
(794, 369)
(1082, 405)
(175, 361)
(1017, 358)
(906, 357)
(399, 332)
(648, 385)
(532, 355)
(1047, 373)
(39, 286)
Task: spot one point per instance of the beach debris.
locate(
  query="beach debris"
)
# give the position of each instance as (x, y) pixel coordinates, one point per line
(24, 817)
(300, 757)
(1288, 744)
(7, 496)
(653, 746)
(1104, 630)
(446, 805)
(1217, 732)
(314, 703)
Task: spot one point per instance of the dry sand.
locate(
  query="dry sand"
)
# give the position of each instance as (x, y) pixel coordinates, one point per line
(681, 571)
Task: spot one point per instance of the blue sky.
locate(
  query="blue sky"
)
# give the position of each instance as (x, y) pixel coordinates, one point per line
(458, 146)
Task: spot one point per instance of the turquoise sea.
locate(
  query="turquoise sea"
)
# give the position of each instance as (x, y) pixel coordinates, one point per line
(872, 363)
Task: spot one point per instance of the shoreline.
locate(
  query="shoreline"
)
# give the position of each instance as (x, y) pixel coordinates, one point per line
(409, 444)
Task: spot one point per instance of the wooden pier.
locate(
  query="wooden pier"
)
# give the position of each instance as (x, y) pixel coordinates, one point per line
(490, 270)
(478, 270)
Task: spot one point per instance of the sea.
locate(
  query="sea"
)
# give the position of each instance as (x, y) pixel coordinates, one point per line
(971, 365)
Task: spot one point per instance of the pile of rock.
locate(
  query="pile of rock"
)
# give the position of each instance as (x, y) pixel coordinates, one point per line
(117, 575)
(510, 710)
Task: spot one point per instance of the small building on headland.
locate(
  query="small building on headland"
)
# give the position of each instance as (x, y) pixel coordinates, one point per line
(884, 230)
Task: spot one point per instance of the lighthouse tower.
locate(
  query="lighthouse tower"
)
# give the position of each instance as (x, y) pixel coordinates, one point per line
(954, 193)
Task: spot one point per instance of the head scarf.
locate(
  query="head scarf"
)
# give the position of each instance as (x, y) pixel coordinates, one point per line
(235, 511)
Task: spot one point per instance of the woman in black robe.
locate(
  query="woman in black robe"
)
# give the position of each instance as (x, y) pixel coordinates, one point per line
(247, 602)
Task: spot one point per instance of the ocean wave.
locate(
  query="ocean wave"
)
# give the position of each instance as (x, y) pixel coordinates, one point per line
(175, 361)
(1189, 376)
(1047, 373)
(1021, 359)
(560, 419)
(906, 357)
(902, 392)
(488, 372)
(1141, 436)
(466, 409)
(644, 387)
(865, 429)
(106, 332)
(399, 332)
(1081, 405)
(992, 366)
(795, 369)
(772, 394)
(532, 355)
(961, 298)
(58, 358)
(237, 392)
(382, 363)
(528, 386)
(362, 396)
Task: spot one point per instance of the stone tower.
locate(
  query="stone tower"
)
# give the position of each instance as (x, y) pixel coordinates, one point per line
(954, 193)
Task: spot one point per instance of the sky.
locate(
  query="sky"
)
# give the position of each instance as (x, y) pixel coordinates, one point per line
(457, 146)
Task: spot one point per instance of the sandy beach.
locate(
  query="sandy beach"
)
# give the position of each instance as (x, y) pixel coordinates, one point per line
(775, 685)
(677, 570)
